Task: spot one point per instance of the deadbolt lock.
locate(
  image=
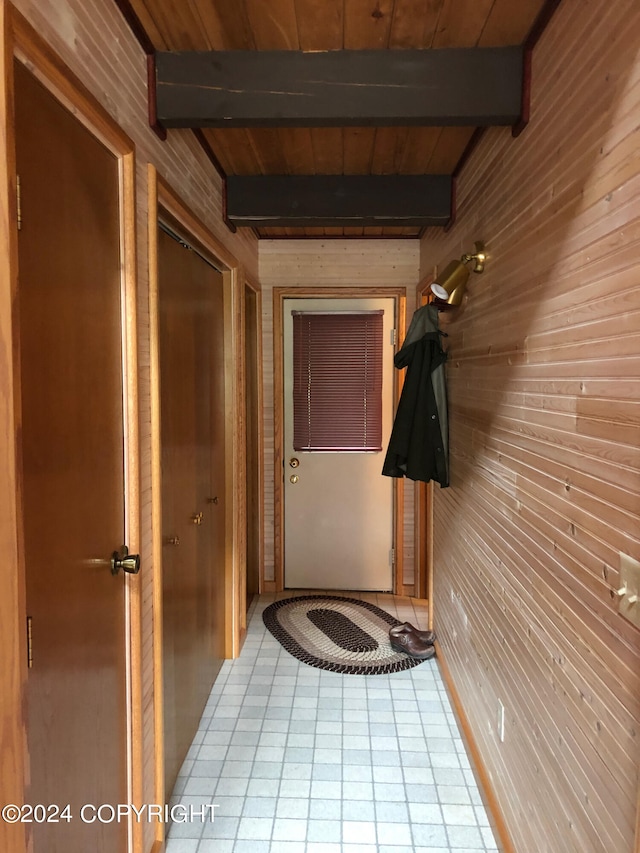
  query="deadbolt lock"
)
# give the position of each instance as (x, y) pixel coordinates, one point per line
(293, 462)
(122, 559)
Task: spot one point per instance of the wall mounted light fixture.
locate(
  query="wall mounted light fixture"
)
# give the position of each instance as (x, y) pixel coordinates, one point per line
(449, 286)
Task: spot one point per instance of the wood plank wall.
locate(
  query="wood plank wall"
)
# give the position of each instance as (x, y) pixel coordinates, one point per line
(92, 38)
(545, 450)
(334, 263)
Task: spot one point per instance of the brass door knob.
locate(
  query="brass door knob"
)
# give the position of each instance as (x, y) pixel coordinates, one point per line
(122, 559)
(294, 479)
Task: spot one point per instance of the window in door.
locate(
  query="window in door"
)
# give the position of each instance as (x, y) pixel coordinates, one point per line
(337, 381)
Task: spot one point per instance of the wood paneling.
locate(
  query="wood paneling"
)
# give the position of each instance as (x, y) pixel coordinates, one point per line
(320, 24)
(503, 27)
(274, 27)
(545, 429)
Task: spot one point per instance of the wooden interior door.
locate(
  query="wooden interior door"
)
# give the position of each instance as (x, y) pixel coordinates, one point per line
(72, 455)
(192, 413)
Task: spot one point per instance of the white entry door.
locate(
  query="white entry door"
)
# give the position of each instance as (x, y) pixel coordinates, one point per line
(338, 508)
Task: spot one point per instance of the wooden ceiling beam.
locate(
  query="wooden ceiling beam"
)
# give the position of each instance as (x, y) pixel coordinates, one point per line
(338, 200)
(365, 88)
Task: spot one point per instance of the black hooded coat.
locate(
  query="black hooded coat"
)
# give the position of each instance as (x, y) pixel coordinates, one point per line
(418, 447)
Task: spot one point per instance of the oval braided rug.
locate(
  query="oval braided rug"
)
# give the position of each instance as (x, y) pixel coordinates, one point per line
(336, 633)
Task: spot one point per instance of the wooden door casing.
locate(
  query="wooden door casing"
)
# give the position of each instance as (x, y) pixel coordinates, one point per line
(72, 458)
(253, 441)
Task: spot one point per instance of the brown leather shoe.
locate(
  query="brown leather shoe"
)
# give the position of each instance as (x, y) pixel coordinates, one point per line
(426, 637)
(412, 646)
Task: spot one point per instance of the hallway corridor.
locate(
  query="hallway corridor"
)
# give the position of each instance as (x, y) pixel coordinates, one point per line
(299, 760)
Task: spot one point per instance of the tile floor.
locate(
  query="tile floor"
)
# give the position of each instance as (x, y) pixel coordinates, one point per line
(299, 760)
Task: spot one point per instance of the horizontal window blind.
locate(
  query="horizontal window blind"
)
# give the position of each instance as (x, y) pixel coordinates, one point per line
(337, 381)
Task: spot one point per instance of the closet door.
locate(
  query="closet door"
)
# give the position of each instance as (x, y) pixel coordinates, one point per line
(191, 340)
(72, 469)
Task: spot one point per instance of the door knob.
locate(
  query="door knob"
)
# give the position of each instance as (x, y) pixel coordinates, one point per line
(122, 559)
(294, 479)
(293, 462)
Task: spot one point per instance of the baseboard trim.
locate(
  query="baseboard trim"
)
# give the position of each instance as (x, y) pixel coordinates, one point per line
(492, 805)
(241, 638)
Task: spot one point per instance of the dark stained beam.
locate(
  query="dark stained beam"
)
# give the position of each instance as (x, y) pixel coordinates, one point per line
(436, 87)
(338, 200)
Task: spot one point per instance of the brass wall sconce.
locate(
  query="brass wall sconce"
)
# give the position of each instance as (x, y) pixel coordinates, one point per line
(449, 286)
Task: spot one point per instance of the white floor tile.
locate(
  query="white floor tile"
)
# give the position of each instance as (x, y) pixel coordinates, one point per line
(300, 760)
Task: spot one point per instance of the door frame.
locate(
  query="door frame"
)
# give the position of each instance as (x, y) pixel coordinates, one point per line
(255, 288)
(19, 40)
(399, 295)
(163, 200)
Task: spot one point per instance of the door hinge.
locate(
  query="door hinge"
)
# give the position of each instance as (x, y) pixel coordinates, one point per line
(394, 337)
(392, 556)
(18, 203)
(29, 643)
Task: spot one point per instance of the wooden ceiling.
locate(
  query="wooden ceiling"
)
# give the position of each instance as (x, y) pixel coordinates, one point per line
(321, 25)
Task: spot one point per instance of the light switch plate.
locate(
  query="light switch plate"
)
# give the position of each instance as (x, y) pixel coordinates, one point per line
(630, 583)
